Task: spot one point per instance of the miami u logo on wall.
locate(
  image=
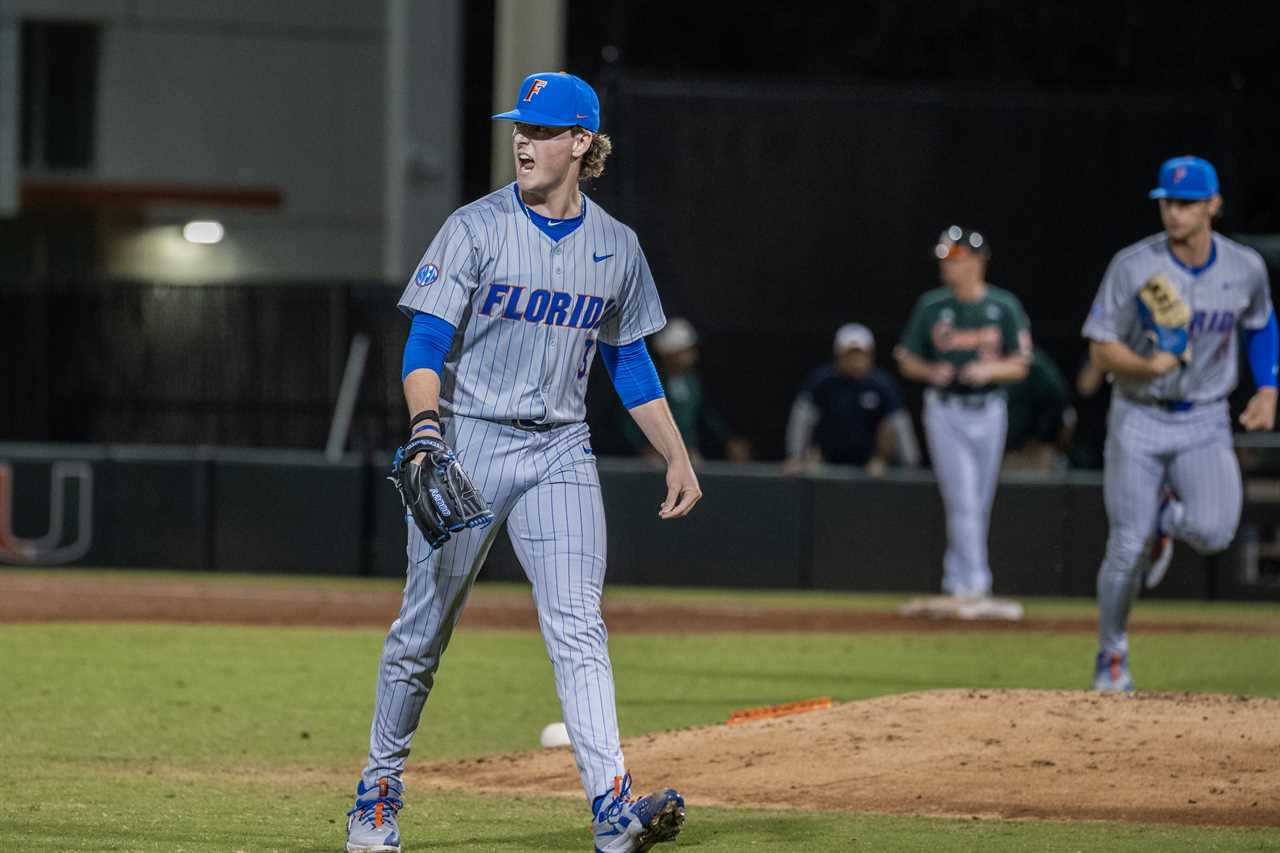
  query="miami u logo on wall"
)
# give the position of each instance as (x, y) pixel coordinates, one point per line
(70, 483)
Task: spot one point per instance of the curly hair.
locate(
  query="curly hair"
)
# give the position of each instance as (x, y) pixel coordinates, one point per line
(593, 160)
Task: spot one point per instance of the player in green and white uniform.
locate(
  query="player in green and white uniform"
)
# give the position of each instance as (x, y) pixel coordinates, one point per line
(965, 341)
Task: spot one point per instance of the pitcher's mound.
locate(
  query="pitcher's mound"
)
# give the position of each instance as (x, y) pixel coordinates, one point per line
(1178, 758)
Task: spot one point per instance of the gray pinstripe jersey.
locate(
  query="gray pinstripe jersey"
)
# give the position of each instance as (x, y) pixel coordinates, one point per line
(530, 309)
(1232, 291)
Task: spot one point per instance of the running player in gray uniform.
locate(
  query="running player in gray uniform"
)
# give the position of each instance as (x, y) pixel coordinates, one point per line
(965, 341)
(511, 302)
(1169, 467)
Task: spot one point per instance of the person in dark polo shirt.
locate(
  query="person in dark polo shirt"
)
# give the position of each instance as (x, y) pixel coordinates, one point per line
(849, 412)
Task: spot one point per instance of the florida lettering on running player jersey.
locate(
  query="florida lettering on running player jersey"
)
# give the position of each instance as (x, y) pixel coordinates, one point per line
(1231, 291)
(1211, 321)
(529, 309)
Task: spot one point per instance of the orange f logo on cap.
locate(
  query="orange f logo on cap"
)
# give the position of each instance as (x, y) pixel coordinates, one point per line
(534, 88)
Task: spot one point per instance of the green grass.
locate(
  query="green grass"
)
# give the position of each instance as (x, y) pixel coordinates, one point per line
(155, 814)
(151, 691)
(199, 738)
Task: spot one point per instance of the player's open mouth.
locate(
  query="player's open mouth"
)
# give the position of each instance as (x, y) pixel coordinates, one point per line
(524, 163)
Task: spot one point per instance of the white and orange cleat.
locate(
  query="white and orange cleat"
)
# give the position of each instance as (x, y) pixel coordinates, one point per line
(371, 825)
(624, 825)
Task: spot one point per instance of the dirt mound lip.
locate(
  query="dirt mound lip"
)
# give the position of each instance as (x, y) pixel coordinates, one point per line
(1192, 759)
(28, 597)
(1010, 754)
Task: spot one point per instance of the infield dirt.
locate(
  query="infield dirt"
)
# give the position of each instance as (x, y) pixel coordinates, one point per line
(1044, 754)
(26, 597)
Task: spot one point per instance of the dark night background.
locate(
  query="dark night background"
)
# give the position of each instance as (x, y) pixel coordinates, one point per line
(787, 169)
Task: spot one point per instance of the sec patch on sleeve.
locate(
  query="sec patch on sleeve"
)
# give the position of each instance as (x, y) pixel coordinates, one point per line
(426, 274)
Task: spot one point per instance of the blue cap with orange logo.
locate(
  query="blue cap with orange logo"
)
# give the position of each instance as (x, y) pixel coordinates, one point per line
(1187, 178)
(556, 99)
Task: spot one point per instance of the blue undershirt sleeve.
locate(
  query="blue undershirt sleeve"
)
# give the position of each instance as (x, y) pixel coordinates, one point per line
(429, 342)
(1263, 346)
(632, 371)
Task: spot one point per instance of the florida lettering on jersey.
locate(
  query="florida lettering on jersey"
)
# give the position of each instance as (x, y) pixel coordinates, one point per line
(1211, 321)
(551, 307)
(530, 309)
(1231, 290)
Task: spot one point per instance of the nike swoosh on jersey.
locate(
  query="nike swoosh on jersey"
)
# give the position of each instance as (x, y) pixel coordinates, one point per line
(599, 258)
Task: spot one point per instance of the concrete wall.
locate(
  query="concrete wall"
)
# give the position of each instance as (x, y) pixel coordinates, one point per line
(423, 144)
(291, 511)
(270, 93)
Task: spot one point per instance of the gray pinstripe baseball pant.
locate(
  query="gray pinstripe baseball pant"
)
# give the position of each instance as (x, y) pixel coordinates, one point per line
(1146, 448)
(545, 486)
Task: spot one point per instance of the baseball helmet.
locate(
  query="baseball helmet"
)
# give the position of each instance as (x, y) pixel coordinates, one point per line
(956, 242)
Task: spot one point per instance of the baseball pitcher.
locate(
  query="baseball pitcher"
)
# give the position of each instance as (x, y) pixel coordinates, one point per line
(512, 301)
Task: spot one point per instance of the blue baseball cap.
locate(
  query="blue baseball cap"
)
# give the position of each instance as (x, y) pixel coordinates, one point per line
(1186, 177)
(556, 99)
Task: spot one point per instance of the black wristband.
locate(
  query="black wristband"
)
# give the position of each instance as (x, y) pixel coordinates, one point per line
(427, 415)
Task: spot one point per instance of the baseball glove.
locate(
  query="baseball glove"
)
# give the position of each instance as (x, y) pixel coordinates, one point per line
(1165, 316)
(437, 494)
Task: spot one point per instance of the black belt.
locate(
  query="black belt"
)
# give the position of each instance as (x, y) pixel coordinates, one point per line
(531, 425)
(969, 401)
(1173, 405)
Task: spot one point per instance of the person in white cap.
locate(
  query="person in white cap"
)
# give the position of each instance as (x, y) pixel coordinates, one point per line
(849, 412)
(705, 431)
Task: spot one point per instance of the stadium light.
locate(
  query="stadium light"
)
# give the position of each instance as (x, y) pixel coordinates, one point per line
(207, 231)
